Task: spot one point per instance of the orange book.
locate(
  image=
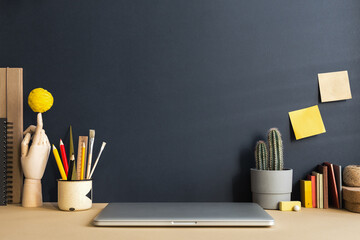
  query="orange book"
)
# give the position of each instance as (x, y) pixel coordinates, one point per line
(313, 189)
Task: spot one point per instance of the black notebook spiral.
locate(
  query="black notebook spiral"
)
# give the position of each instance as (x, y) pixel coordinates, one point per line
(3, 163)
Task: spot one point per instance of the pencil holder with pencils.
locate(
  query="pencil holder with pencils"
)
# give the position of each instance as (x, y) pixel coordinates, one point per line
(74, 195)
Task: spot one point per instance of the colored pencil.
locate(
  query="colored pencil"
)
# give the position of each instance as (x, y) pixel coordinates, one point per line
(97, 160)
(59, 164)
(64, 158)
(74, 172)
(71, 168)
(91, 146)
(82, 172)
(82, 139)
(71, 145)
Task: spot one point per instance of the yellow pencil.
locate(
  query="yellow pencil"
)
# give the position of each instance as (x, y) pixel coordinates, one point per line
(59, 163)
(82, 170)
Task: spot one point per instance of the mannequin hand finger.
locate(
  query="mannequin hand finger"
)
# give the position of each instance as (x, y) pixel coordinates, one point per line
(46, 139)
(31, 129)
(43, 137)
(25, 145)
(39, 127)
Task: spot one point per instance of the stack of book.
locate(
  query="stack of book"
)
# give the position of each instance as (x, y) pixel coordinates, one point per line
(323, 187)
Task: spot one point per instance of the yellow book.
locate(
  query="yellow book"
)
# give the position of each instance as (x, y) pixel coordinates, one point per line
(306, 193)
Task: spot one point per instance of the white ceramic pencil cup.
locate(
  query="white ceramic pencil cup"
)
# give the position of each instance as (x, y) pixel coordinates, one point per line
(74, 195)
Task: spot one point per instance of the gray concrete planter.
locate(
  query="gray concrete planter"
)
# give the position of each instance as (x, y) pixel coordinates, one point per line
(269, 187)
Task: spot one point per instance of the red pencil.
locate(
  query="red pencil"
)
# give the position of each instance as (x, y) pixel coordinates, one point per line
(63, 156)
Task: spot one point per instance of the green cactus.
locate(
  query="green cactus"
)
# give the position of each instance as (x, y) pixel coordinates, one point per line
(276, 161)
(261, 155)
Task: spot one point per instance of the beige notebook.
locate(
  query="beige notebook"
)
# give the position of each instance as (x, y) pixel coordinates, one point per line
(11, 108)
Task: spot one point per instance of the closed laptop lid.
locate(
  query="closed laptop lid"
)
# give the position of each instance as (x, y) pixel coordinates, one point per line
(183, 214)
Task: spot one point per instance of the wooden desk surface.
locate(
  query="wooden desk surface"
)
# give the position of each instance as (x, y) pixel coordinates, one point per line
(48, 222)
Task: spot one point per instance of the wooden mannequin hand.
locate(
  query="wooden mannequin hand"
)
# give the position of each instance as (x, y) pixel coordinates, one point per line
(33, 161)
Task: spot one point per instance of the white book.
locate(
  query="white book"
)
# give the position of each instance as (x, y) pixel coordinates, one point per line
(321, 177)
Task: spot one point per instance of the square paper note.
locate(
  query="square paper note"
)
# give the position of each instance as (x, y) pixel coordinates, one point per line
(307, 122)
(334, 86)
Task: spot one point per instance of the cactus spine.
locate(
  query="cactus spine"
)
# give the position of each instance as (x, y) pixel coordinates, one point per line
(275, 150)
(275, 161)
(261, 155)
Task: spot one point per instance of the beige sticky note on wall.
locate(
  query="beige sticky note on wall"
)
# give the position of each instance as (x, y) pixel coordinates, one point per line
(307, 122)
(334, 86)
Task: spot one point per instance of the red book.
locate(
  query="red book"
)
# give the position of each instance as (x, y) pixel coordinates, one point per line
(313, 189)
(332, 185)
(64, 158)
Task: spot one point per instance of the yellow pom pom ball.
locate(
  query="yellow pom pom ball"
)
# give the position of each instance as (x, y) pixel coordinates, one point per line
(40, 100)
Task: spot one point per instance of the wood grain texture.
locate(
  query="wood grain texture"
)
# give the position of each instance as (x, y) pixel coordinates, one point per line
(82, 139)
(17, 222)
(32, 195)
(15, 131)
(3, 93)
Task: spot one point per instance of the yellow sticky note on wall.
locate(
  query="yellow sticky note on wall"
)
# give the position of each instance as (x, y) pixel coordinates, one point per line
(307, 122)
(334, 86)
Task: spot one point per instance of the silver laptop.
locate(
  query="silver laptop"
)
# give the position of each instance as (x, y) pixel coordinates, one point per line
(183, 214)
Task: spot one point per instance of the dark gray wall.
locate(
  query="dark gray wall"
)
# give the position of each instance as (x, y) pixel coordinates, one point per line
(182, 90)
